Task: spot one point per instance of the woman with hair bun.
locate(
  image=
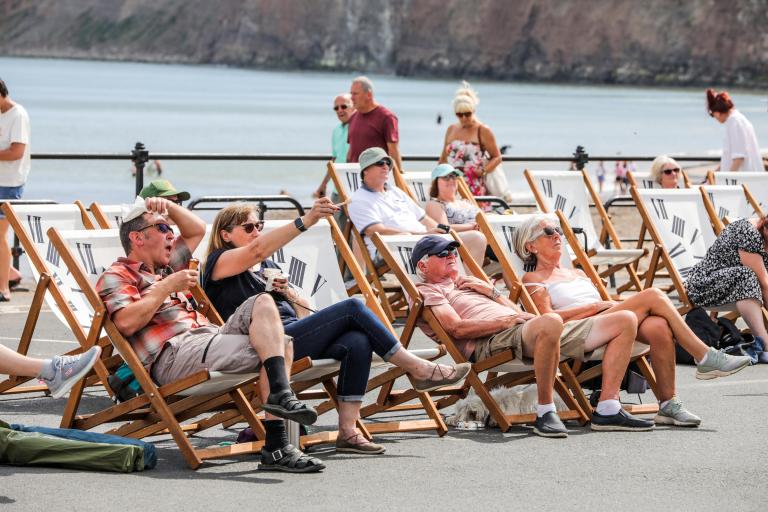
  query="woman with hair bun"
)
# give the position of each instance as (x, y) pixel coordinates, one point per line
(740, 149)
(470, 146)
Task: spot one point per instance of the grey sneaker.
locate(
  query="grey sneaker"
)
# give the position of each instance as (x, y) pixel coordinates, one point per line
(675, 414)
(69, 370)
(719, 364)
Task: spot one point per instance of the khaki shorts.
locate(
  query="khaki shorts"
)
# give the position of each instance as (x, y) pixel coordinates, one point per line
(224, 349)
(572, 341)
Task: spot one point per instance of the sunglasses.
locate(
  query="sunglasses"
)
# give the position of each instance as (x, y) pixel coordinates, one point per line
(383, 163)
(551, 231)
(446, 252)
(342, 107)
(670, 171)
(248, 227)
(463, 114)
(162, 227)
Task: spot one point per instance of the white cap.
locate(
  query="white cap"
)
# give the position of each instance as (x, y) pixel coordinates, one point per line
(131, 211)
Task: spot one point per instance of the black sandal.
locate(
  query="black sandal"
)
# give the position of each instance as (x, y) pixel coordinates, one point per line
(285, 405)
(13, 283)
(290, 460)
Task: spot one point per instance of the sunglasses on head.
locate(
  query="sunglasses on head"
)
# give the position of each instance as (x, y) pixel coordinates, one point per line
(463, 114)
(446, 252)
(670, 171)
(162, 227)
(248, 227)
(552, 230)
(342, 107)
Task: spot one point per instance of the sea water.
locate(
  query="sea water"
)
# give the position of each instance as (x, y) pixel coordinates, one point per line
(105, 107)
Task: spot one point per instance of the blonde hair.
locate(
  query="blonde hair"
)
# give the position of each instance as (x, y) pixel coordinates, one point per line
(525, 233)
(226, 219)
(659, 162)
(465, 99)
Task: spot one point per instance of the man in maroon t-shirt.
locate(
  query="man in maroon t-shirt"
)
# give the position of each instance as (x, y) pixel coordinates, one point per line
(373, 126)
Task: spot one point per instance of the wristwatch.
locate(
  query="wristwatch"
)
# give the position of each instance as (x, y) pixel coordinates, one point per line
(444, 227)
(299, 224)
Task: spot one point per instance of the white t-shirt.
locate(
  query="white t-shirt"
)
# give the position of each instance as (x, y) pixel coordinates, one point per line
(14, 127)
(392, 208)
(740, 142)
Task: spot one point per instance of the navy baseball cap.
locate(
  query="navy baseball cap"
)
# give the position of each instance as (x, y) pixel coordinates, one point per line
(431, 245)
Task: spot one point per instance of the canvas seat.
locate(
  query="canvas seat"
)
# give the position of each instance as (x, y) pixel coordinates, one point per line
(571, 192)
(756, 183)
(726, 203)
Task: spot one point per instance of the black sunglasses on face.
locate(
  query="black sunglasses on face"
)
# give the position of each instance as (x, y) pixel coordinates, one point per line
(670, 171)
(382, 163)
(248, 227)
(550, 231)
(447, 252)
(342, 107)
(162, 227)
(463, 114)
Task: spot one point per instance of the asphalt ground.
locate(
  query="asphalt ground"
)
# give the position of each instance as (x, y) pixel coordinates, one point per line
(719, 466)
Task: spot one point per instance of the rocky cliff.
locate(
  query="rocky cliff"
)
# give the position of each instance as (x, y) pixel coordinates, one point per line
(666, 42)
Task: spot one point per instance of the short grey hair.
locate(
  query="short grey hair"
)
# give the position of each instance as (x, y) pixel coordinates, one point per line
(344, 95)
(528, 232)
(659, 162)
(418, 271)
(364, 82)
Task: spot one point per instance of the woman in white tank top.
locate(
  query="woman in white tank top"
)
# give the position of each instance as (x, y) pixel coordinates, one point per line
(572, 295)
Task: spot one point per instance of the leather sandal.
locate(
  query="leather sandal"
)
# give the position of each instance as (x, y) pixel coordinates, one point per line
(349, 445)
(289, 459)
(284, 404)
(438, 380)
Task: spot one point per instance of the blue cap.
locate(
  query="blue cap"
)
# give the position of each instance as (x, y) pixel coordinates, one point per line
(430, 245)
(444, 170)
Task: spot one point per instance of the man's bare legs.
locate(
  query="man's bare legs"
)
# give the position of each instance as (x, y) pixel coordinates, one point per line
(541, 342)
(6, 270)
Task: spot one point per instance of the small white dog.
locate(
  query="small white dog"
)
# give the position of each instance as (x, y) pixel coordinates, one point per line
(514, 400)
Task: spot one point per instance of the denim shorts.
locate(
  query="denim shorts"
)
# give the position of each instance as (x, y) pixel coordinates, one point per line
(10, 193)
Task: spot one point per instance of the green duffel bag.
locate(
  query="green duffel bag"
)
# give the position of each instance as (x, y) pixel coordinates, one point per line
(36, 449)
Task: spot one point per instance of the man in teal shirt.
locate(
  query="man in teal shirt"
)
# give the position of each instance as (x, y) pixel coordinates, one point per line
(342, 105)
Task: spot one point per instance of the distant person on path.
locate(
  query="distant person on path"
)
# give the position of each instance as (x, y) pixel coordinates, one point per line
(342, 106)
(470, 147)
(620, 185)
(59, 373)
(374, 126)
(665, 171)
(740, 149)
(151, 168)
(600, 173)
(15, 164)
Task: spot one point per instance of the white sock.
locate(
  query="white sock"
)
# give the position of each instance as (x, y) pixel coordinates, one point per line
(703, 359)
(48, 371)
(608, 407)
(541, 410)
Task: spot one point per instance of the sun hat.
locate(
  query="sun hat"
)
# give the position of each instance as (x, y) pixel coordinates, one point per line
(445, 170)
(162, 188)
(372, 155)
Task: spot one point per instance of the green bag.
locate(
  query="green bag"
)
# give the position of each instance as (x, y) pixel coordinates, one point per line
(36, 449)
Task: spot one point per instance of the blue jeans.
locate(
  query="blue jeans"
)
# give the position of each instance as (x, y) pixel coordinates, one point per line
(348, 332)
(10, 193)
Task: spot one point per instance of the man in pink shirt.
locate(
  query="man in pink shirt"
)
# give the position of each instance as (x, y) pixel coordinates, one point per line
(373, 126)
(483, 322)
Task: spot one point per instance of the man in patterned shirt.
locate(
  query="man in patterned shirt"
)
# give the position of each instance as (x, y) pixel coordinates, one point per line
(145, 298)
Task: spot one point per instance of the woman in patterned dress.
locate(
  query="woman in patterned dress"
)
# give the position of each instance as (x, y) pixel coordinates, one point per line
(734, 272)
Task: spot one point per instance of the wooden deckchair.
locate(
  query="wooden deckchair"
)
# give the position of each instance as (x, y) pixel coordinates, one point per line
(30, 223)
(396, 250)
(571, 192)
(318, 278)
(346, 178)
(756, 182)
(417, 185)
(499, 230)
(107, 216)
(726, 203)
(161, 409)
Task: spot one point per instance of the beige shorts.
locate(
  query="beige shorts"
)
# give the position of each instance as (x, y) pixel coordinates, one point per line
(224, 349)
(572, 341)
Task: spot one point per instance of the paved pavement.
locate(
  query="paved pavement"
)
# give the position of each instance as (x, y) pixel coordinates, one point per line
(719, 466)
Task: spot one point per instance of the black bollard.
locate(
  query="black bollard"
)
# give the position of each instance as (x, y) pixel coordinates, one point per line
(139, 157)
(580, 157)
